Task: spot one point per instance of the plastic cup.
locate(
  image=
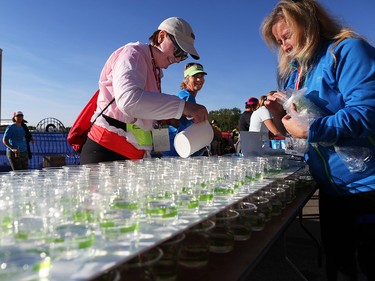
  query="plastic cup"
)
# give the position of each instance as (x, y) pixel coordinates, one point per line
(264, 207)
(142, 267)
(187, 197)
(250, 216)
(292, 184)
(166, 267)
(222, 235)
(18, 264)
(288, 192)
(243, 224)
(223, 191)
(118, 223)
(277, 205)
(195, 248)
(280, 195)
(206, 196)
(71, 240)
(162, 211)
(274, 165)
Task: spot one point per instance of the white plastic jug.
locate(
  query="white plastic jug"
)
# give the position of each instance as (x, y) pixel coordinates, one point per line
(193, 138)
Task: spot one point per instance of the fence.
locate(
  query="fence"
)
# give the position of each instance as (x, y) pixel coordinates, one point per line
(45, 145)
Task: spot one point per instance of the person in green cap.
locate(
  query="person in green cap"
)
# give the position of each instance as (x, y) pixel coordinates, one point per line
(194, 78)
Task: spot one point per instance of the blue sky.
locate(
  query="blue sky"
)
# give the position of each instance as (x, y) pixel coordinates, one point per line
(53, 51)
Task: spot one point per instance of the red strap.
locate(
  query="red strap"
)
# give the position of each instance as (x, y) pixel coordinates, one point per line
(114, 142)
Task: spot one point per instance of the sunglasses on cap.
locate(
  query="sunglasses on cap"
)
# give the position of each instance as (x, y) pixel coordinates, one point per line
(178, 52)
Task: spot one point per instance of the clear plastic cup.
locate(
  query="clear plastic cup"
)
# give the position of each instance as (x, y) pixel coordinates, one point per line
(23, 265)
(72, 240)
(142, 267)
(280, 195)
(277, 205)
(166, 267)
(264, 207)
(195, 248)
(222, 235)
(243, 225)
(119, 223)
(162, 211)
(292, 184)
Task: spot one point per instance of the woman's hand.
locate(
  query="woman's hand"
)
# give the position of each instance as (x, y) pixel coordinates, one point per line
(295, 129)
(196, 112)
(274, 104)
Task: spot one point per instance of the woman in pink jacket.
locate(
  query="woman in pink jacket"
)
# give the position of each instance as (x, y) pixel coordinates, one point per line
(131, 83)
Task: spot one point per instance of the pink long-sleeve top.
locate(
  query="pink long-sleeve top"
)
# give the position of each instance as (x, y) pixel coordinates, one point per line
(129, 77)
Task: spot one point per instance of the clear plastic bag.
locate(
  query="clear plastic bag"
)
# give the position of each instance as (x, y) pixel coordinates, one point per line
(305, 114)
(354, 157)
(307, 111)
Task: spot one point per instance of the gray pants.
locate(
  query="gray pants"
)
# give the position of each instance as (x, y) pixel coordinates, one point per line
(18, 163)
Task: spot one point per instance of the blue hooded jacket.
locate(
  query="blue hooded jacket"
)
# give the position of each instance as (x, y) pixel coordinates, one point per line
(343, 88)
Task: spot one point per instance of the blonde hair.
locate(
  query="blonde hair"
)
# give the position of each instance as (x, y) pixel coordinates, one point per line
(311, 25)
(261, 102)
(262, 99)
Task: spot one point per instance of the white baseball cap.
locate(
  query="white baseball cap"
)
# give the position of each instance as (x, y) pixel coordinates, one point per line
(182, 32)
(18, 113)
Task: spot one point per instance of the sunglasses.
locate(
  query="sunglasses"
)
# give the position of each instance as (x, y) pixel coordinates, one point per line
(178, 52)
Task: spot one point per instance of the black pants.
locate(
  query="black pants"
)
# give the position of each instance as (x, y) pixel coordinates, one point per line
(348, 235)
(93, 152)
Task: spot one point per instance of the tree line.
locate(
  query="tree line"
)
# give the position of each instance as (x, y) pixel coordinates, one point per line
(226, 118)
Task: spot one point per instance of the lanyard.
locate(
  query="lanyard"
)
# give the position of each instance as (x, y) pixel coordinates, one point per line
(156, 70)
(299, 79)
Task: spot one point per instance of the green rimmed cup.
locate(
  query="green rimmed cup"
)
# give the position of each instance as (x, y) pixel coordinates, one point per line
(161, 211)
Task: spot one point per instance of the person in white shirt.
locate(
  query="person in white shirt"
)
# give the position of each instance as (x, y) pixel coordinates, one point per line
(261, 119)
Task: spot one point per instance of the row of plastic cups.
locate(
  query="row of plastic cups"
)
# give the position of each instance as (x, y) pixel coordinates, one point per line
(190, 249)
(219, 235)
(238, 222)
(249, 215)
(231, 225)
(119, 221)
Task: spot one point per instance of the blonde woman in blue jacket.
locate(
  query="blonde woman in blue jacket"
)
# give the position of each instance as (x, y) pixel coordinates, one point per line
(337, 68)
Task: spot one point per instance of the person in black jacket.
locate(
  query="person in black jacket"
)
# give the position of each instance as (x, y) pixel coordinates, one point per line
(29, 138)
(244, 121)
